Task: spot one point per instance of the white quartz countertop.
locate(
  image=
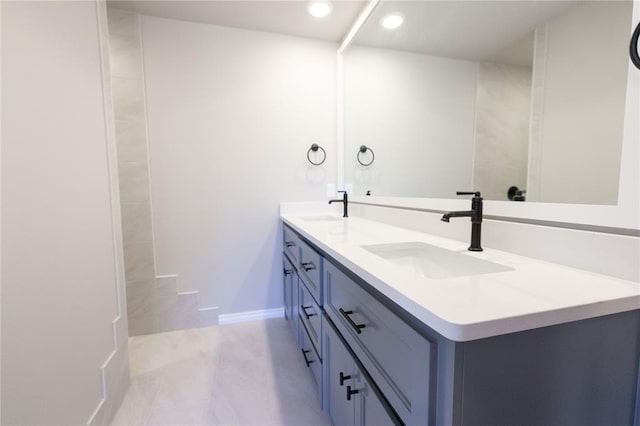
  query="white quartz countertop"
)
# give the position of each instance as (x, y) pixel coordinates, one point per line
(534, 294)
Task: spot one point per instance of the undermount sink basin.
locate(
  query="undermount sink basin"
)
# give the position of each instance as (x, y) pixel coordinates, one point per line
(325, 218)
(434, 262)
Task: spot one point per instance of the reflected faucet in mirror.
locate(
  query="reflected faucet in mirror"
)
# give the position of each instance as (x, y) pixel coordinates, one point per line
(344, 201)
(476, 218)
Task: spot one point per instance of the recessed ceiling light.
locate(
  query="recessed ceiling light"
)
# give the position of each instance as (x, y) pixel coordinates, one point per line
(320, 9)
(392, 21)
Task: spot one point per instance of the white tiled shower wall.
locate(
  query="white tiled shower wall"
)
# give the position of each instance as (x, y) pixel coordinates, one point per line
(153, 303)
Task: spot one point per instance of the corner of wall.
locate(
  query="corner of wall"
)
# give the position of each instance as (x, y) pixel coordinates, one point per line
(114, 372)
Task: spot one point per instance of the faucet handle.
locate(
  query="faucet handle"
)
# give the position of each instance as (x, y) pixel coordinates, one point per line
(342, 192)
(474, 193)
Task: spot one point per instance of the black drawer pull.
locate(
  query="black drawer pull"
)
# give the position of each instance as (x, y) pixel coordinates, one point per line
(287, 272)
(343, 378)
(357, 327)
(289, 243)
(304, 311)
(304, 355)
(308, 266)
(351, 392)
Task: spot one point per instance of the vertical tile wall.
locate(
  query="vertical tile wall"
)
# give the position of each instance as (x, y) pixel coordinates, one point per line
(537, 93)
(153, 304)
(502, 128)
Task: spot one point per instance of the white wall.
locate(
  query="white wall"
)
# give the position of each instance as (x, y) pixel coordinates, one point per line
(231, 114)
(417, 113)
(61, 266)
(582, 105)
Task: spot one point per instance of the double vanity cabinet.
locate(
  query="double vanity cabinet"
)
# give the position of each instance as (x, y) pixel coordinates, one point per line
(345, 390)
(374, 363)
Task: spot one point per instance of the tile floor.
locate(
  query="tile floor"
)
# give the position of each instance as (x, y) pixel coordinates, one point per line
(238, 374)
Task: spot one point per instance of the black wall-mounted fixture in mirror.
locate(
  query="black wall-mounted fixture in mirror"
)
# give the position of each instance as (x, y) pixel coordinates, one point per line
(363, 150)
(516, 194)
(315, 148)
(633, 47)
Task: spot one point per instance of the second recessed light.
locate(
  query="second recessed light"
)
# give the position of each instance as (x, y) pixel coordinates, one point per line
(320, 9)
(392, 21)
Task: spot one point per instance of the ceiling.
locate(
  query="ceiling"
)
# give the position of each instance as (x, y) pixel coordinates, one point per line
(284, 17)
(499, 30)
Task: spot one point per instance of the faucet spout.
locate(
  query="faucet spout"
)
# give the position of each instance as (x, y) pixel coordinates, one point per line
(345, 203)
(466, 213)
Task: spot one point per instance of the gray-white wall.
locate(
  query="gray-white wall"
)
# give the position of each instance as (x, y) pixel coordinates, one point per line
(64, 331)
(231, 115)
(579, 110)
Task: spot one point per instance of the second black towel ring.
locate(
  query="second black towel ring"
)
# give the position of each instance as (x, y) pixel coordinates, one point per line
(633, 47)
(362, 150)
(315, 147)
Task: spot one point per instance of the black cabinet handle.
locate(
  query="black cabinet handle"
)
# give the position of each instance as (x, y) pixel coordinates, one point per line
(343, 378)
(289, 243)
(308, 266)
(287, 272)
(356, 327)
(304, 311)
(304, 355)
(351, 392)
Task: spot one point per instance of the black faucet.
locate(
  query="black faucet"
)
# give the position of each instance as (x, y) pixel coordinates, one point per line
(344, 201)
(476, 218)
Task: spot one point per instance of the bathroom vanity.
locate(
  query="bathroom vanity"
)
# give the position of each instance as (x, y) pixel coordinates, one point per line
(401, 327)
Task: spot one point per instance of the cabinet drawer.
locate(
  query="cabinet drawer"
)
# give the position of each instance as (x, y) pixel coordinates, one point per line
(398, 358)
(310, 267)
(291, 294)
(290, 245)
(349, 395)
(288, 274)
(311, 358)
(370, 409)
(311, 316)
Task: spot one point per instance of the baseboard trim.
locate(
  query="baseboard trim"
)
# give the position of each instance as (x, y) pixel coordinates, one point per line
(251, 316)
(208, 316)
(107, 382)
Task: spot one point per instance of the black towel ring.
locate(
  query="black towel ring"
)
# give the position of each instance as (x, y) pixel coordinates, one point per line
(362, 150)
(315, 147)
(633, 47)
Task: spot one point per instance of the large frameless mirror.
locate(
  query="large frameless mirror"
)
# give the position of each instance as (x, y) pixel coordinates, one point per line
(521, 100)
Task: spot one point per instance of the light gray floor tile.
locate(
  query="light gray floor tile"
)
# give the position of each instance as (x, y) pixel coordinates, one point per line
(237, 374)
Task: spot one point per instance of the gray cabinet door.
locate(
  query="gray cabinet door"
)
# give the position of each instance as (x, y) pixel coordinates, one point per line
(370, 411)
(339, 370)
(288, 275)
(311, 270)
(311, 359)
(396, 356)
(295, 311)
(291, 296)
(290, 244)
(311, 316)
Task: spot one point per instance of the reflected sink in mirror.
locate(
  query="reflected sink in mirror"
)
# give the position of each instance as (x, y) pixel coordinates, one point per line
(325, 218)
(435, 262)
